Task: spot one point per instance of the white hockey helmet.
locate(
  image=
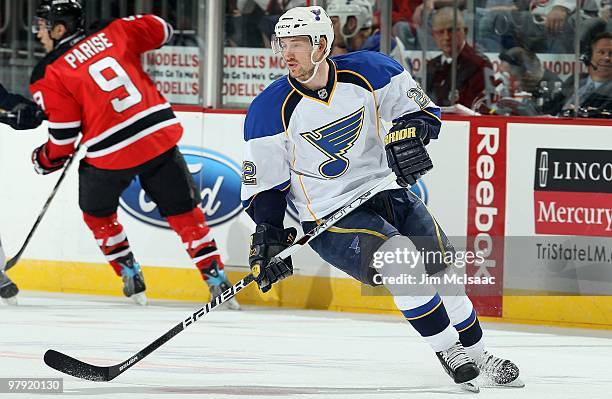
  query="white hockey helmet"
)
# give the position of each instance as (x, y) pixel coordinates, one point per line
(304, 21)
(360, 9)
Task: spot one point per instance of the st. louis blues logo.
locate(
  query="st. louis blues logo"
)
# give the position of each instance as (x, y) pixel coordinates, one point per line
(317, 14)
(334, 140)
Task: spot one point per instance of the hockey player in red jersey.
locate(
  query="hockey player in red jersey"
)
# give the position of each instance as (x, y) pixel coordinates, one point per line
(92, 82)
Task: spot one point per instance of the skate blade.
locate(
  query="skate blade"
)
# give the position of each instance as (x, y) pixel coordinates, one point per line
(518, 383)
(470, 386)
(233, 304)
(12, 301)
(140, 298)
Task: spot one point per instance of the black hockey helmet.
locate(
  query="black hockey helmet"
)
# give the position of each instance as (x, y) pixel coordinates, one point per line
(66, 12)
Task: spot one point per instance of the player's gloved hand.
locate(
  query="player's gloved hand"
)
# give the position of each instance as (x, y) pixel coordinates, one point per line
(26, 116)
(20, 113)
(43, 165)
(267, 242)
(406, 153)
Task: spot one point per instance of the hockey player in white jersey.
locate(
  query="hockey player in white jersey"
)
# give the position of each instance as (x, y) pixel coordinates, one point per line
(315, 138)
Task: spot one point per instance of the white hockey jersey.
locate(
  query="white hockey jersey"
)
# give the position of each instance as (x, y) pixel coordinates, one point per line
(327, 146)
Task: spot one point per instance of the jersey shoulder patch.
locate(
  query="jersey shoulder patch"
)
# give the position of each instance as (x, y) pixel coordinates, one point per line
(375, 67)
(265, 114)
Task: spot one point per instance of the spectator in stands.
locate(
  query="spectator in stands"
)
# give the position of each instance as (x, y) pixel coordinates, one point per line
(232, 18)
(422, 18)
(273, 9)
(595, 92)
(352, 21)
(244, 18)
(526, 70)
(401, 18)
(539, 26)
(600, 10)
(250, 23)
(474, 70)
(605, 12)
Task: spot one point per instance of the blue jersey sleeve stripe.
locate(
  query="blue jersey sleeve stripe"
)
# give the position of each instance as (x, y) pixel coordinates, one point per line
(284, 186)
(432, 115)
(434, 112)
(429, 116)
(246, 204)
(264, 117)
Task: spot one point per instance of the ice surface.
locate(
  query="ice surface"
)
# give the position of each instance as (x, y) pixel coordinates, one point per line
(272, 353)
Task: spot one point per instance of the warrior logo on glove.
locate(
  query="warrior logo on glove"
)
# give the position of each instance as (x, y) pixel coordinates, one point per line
(403, 134)
(406, 153)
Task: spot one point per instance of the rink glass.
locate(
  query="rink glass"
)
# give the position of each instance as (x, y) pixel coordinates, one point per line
(249, 65)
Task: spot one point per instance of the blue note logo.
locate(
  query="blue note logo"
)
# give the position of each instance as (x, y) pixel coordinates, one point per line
(216, 176)
(334, 140)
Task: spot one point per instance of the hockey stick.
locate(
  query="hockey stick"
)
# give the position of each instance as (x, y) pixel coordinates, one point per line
(76, 368)
(13, 261)
(4, 114)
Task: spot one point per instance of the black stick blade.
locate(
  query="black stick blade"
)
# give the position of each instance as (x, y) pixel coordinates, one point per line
(10, 263)
(76, 368)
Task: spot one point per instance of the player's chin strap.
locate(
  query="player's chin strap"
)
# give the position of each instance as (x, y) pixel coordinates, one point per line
(315, 63)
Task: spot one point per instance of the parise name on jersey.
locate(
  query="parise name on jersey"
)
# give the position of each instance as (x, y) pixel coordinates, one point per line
(88, 49)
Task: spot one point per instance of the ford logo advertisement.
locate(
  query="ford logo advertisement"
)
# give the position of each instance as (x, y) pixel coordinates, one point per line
(218, 178)
(419, 189)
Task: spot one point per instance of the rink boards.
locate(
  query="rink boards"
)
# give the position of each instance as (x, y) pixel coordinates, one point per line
(518, 189)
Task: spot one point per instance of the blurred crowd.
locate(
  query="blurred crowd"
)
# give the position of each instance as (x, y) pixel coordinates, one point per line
(522, 38)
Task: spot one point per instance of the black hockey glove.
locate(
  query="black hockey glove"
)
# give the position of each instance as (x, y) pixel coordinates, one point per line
(406, 153)
(267, 242)
(27, 116)
(24, 115)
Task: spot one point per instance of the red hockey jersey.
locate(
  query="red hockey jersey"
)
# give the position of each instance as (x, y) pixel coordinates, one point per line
(94, 84)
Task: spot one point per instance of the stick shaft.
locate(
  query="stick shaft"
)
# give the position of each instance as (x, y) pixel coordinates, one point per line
(77, 368)
(13, 261)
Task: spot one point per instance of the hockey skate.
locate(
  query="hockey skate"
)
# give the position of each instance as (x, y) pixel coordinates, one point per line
(497, 372)
(133, 280)
(459, 366)
(217, 283)
(8, 289)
